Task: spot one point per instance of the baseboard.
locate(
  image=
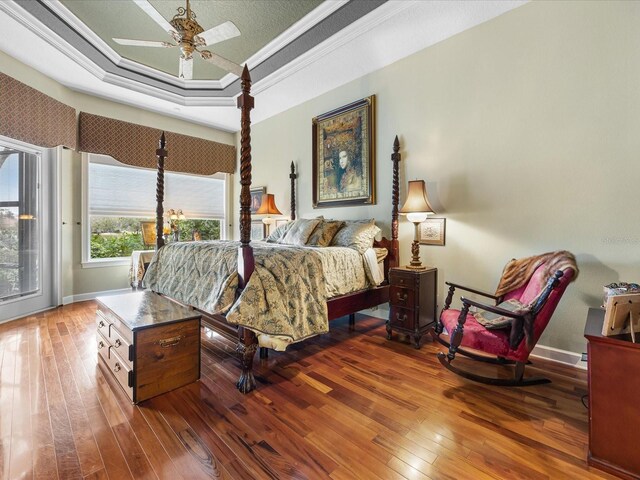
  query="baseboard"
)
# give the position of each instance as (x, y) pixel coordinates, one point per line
(27, 315)
(82, 297)
(541, 351)
(561, 356)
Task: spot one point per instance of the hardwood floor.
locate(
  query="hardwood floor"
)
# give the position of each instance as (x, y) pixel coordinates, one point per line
(342, 406)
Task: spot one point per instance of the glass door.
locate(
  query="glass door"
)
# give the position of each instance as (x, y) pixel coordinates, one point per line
(26, 233)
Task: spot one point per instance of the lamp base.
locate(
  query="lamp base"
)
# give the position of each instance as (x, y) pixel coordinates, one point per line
(416, 267)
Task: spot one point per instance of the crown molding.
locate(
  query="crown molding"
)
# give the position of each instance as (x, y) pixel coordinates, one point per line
(363, 25)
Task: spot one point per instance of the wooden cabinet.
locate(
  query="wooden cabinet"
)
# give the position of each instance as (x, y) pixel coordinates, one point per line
(412, 298)
(149, 343)
(614, 396)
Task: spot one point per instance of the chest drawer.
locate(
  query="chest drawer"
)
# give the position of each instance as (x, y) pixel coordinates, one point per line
(102, 324)
(121, 345)
(123, 374)
(402, 296)
(102, 346)
(403, 279)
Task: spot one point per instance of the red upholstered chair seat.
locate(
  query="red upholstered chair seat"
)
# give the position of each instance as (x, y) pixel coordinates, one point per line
(494, 342)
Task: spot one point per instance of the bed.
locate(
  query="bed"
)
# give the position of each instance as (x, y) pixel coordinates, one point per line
(250, 258)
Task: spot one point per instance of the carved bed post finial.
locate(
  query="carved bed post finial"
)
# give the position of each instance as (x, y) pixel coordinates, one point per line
(293, 177)
(161, 153)
(247, 340)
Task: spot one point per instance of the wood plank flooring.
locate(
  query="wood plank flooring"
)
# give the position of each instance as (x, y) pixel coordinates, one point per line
(345, 405)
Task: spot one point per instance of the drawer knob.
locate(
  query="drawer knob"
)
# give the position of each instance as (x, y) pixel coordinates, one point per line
(403, 296)
(401, 319)
(100, 344)
(117, 343)
(170, 342)
(117, 367)
(101, 324)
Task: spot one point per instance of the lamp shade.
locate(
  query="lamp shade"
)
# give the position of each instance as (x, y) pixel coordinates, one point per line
(268, 206)
(416, 205)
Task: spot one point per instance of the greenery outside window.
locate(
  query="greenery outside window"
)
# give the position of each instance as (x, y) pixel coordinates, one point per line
(118, 198)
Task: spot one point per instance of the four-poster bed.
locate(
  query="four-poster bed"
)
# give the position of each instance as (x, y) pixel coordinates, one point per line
(338, 306)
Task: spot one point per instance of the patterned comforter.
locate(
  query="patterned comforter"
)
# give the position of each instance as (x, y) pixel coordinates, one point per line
(285, 298)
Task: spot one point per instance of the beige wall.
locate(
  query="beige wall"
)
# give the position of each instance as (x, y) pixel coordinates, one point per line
(75, 279)
(526, 131)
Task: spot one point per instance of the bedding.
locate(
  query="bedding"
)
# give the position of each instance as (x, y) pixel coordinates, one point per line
(284, 300)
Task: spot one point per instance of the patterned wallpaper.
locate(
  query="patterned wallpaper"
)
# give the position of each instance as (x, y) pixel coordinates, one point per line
(136, 145)
(29, 115)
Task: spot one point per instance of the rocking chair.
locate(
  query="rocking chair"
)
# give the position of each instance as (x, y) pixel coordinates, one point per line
(508, 330)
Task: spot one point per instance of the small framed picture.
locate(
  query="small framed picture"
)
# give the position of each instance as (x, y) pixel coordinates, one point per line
(256, 198)
(432, 231)
(281, 221)
(258, 230)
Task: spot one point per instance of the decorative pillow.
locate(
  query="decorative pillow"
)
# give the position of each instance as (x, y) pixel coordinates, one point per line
(324, 233)
(278, 234)
(300, 231)
(496, 321)
(356, 235)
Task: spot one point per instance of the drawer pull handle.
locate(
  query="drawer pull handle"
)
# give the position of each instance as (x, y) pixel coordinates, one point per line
(403, 297)
(170, 342)
(401, 319)
(117, 343)
(100, 344)
(101, 324)
(117, 367)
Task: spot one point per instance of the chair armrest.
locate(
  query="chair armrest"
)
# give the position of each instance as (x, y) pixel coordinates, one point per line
(472, 290)
(491, 308)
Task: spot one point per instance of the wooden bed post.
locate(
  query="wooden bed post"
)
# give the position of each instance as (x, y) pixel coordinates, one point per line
(247, 341)
(395, 197)
(293, 177)
(161, 153)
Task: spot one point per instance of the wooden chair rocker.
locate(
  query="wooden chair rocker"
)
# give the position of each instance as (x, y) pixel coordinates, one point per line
(509, 329)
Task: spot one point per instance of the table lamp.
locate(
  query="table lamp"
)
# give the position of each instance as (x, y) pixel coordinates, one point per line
(267, 208)
(416, 207)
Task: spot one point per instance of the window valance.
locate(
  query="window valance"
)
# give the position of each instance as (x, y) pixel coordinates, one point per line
(30, 116)
(136, 145)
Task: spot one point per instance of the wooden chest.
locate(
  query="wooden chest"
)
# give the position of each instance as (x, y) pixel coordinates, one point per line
(150, 344)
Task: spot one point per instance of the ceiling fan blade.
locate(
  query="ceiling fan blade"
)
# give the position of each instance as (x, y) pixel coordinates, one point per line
(186, 68)
(224, 31)
(154, 14)
(221, 62)
(143, 43)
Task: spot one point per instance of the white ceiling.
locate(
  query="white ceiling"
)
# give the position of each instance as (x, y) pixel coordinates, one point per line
(392, 31)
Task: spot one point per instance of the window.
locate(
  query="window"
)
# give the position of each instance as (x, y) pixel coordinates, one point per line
(119, 197)
(19, 223)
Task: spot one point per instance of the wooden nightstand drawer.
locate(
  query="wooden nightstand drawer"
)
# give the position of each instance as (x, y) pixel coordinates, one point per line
(402, 279)
(401, 296)
(402, 317)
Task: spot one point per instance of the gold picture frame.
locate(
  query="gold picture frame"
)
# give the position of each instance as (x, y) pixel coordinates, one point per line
(343, 155)
(256, 198)
(432, 232)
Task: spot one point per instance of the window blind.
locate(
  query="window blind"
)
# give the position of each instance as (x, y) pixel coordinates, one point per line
(118, 190)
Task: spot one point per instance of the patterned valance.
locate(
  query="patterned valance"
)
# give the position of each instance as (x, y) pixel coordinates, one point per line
(30, 116)
(136, 145)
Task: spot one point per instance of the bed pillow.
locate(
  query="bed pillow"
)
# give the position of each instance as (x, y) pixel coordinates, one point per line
(278, 234)
(324, 233)
(300, 231)
(356, 235)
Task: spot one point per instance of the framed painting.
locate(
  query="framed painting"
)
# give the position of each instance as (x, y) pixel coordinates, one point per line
(281, 221)
(258, 230)
(344, 155)
(432, 232)
(256, 198)
(148, 233)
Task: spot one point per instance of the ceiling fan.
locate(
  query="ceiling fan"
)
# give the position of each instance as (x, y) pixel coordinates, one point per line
(190, 37)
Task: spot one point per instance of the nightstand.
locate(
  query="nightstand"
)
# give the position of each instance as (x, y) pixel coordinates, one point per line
(412, 298)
